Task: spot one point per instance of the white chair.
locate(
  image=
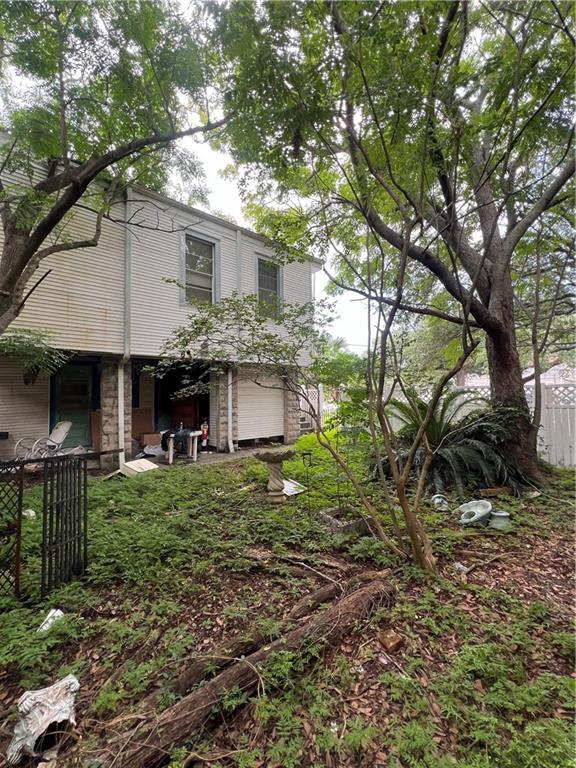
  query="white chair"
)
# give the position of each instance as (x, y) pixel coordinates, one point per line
(44, 446)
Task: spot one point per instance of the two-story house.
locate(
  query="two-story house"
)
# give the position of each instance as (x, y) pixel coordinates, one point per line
(114, 305)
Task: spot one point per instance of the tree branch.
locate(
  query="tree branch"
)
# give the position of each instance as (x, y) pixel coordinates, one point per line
(541, 205)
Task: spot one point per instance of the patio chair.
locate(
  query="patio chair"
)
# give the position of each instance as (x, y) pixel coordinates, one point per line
(25, 448)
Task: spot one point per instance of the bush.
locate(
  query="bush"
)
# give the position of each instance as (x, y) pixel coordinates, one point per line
(467, 450)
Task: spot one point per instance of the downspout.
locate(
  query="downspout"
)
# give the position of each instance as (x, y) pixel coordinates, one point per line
(230, 408)
(229, 413)
(127, 312)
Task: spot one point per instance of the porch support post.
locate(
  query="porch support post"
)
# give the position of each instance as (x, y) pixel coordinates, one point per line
(291, 413)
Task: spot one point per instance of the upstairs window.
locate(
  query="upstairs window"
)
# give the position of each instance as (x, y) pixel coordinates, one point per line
(199, 270)
(268, 282)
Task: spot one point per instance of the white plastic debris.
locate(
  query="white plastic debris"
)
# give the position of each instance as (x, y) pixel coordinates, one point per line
(293, 488)
(500, 520)
(29, 513)
(440, 502)
(38, 711)
(152, 450)
(53, 615)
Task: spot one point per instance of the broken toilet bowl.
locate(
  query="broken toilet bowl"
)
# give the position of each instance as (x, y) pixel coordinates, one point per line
(475, 512)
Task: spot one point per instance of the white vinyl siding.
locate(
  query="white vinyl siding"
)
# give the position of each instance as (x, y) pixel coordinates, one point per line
(24, 409)
(158, 271)
(260, 408)
(81, 301)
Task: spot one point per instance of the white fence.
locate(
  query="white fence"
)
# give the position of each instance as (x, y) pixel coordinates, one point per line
(311, 407)
(556, 436)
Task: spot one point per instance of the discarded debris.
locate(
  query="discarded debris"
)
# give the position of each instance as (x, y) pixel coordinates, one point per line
(341, 521)
(135, 467)
(475, 512)
(500, 520)
(53, 615)
(440, 502)
(293, 488)
(41, 711)
(502, 490)
(153, 450)
(29, 513)
(391, 640)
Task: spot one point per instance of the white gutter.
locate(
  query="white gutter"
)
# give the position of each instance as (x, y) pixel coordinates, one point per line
(122, 455)
(229, 413)
(127, 338)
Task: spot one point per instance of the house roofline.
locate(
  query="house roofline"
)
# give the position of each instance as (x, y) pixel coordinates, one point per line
(158, 196)
(4, 136)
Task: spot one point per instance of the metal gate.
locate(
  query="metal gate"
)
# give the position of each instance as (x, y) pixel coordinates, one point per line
(11, 484)
(64, 520)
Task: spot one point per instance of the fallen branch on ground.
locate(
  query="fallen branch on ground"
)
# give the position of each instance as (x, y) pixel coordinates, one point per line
(204, 665)
(152, 740)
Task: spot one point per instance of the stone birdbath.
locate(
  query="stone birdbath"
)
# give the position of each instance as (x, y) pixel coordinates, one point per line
(275, 476)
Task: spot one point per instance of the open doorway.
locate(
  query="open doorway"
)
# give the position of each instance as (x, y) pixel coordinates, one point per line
(74, 395)
(189, 411)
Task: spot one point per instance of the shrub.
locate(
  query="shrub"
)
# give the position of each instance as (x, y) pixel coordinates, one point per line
(468, 450)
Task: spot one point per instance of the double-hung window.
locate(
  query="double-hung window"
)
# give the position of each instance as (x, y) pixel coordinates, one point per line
(199, 270)
(268, 282)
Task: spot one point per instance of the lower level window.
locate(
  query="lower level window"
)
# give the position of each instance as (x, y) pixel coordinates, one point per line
(199, 270)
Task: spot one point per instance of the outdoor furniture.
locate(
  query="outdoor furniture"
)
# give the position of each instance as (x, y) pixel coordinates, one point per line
(25, 448)
(192, 445)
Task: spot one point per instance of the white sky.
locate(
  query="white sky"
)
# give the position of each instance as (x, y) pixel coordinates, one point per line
(224, 197)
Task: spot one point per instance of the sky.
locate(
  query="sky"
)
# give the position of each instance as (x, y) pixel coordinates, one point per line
(224, 197)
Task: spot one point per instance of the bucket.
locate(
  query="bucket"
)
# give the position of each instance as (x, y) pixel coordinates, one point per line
(500, 520)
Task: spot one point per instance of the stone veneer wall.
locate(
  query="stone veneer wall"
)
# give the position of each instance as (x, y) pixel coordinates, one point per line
(109, 408)
(220, 394)
(291, 416)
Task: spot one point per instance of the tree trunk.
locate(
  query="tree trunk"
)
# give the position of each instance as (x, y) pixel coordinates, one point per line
(506, 385)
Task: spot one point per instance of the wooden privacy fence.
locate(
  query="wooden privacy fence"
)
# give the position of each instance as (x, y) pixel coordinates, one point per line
(556, 435)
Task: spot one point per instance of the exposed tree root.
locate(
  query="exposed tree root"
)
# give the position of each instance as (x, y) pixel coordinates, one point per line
(149, 744)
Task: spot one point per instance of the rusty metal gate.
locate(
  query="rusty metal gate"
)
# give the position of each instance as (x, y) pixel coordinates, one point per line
(11, 485)
(64, 520)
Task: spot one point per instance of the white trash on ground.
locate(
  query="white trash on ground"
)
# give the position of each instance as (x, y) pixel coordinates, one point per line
(29, 513)
(293, 488)
(153, 450)
(53, 615)
(475, 512)
(38, 711)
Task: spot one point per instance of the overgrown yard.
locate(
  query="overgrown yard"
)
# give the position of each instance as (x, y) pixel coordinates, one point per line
(184, 560)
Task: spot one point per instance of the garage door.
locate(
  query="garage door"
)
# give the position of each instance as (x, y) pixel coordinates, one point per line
(260, 409)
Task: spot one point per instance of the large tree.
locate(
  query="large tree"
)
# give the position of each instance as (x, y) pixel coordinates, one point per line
(94, 95)
(449, 121)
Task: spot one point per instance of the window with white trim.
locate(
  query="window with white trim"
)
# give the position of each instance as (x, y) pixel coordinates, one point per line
(268, 282)
(199, 270)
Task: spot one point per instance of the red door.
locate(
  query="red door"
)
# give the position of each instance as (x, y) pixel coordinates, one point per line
(185, 411)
